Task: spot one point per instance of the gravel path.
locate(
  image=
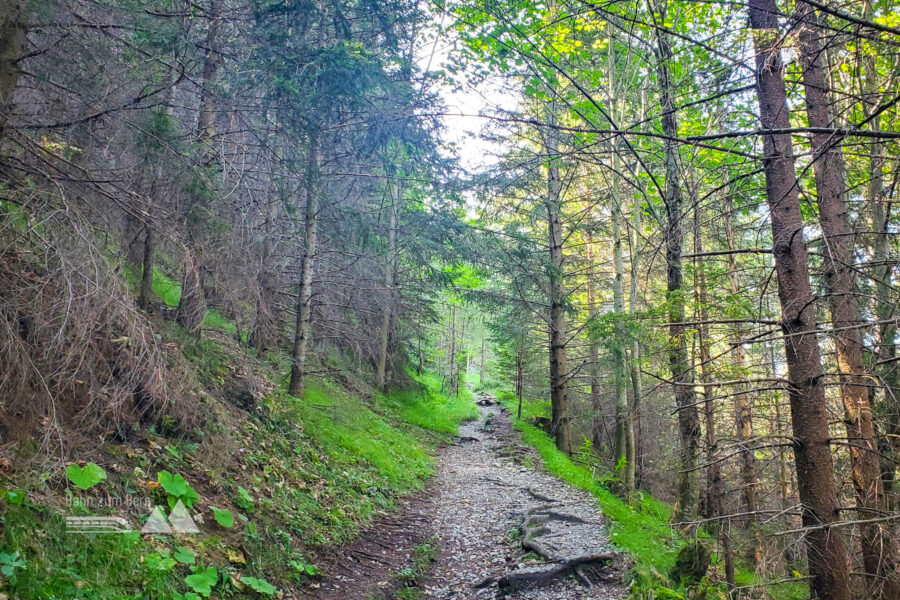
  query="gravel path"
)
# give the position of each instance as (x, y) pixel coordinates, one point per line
(487, 485)
(484, 489)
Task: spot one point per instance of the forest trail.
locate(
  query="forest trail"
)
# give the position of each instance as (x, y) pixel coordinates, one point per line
(488, 491)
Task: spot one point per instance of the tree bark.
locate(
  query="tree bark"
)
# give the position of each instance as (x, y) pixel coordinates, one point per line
(879, 555)
(593, 348)
(889, 375)
(623, 440)
(145, 295)
(302, 329)
(481, 362)
(13, 36)
(679, 364)
(191, 307)
(387, 316)
(206, 123)
(560, 425)
(743, 415)
(454, 384)
(827, 552)
(715, 493)
(520, 382)
(193, 296)
(633, 307)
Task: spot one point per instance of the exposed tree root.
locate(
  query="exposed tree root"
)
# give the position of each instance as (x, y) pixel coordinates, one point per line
(535, 539)
(537, 496)
(528, 579)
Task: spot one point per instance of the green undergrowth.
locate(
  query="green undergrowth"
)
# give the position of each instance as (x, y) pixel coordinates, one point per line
(639, 526)
(168, 291)
(275, 481)
(428, 408)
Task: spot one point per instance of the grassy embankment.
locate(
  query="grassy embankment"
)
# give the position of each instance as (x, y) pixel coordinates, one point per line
(274, 482)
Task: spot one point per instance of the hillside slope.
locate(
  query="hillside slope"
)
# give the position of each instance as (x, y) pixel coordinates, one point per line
(268, 478)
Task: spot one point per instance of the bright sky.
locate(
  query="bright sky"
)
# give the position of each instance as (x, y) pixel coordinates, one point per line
(464, 105)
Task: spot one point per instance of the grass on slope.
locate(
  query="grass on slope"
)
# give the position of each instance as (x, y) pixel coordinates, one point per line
(169, 292)
(296, 474)
(639, 527)
(428, 408)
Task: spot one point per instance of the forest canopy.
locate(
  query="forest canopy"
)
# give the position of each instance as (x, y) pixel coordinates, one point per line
(672, 246)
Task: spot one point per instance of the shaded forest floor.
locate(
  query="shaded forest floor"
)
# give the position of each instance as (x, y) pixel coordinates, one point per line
(492, 524)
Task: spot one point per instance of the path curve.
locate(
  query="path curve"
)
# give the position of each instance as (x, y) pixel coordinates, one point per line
(488, 483)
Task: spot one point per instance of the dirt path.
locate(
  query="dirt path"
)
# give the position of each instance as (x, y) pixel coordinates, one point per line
(486, 493)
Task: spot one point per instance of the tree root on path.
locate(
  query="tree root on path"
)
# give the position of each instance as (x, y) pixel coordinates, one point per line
(537, 496)
(528, 579)
(534, 529)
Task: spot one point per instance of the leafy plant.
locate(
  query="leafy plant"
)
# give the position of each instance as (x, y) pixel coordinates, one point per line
(223, 517)
(304, 568)
(86, 477)
(260, 585)
(244, 500)
(184, 555)
(159, 561)
(14, 496)
(177, 487)
(10, 563)
(203, 580)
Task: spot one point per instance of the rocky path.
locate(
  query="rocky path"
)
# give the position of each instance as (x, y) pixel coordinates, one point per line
(502, 527)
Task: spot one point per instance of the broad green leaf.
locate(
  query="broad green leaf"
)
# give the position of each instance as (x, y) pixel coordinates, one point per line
(203, 581)
(175, 485)
(260, 585)
(223, 517)
(183, 555)
(85, 477)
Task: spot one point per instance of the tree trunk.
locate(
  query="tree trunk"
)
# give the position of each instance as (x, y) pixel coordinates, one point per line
(454, 389)
(879, 555)
(593, 348)
(623, 440)
(263, 335)
(827, 553)
(481, 362)
(679, 364)
(13, 36)
(715, 493)
(633, 307)
(421, 360)
(145, 296)
(206, 123)
(743, 415)
(560, 425)
(520, 383)
(889, 408)
(302, 329)
(387, 316)
(191, 306)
